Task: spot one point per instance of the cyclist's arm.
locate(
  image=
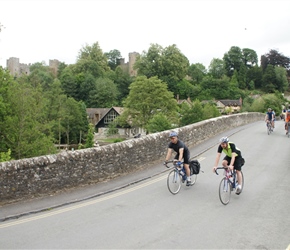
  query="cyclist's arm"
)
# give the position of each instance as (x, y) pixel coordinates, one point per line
(181, 150)
(217, 159)
(233, 158)
(169, 152)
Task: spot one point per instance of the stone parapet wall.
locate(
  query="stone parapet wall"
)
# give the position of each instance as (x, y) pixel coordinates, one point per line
(32, 177)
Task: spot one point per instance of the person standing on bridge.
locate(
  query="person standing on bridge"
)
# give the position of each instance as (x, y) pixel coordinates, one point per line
(182, 154)
(232, 160)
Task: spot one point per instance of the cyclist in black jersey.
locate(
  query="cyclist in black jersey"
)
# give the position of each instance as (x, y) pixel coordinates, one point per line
(232, 160)
(270, 117)
(182, 154)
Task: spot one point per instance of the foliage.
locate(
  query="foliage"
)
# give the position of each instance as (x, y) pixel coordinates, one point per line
(274, 58)
(168, 64)
(158, 123)
(216, 68)
(90, 136)
(5, 156)
(26, 131)
(191, 114)
(92, 60)
(197, 72)
(112, 129)
(114, 57)
(262, 103)
(148, 97)
(104, 95)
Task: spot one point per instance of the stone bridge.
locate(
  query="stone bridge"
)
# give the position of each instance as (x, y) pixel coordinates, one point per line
(44, 175)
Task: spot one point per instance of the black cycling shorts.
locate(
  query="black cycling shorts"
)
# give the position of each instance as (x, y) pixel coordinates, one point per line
(237, 163)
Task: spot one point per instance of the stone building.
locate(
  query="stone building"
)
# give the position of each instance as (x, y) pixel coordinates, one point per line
(16, 68)
(128, 67)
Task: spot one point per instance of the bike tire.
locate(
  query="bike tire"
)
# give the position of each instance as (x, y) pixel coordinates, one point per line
(288, 131)
(174, 181)
(193, 179)
(225, 191)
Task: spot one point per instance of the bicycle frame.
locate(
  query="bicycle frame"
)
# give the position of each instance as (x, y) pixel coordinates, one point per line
(230, 176)
(175, 178)
(227, 184)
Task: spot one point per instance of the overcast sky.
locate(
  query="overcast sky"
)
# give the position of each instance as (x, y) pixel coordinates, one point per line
(36, 31)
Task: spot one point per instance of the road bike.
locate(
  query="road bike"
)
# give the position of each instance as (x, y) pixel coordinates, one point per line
(269, 128)
(177, 176)
(228, 183)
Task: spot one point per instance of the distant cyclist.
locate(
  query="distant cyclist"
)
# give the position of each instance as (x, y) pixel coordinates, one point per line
(287, 119)
(270, 116)
(232, 160)
(182, 154)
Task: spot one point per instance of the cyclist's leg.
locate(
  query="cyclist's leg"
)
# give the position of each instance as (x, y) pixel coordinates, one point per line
(186, 164)
(238, 167)
(186, 167)
(226, 161)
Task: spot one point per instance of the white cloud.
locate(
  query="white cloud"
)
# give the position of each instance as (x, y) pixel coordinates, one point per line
(57, 29)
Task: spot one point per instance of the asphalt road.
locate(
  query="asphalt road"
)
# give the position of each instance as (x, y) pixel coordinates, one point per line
(144, 215)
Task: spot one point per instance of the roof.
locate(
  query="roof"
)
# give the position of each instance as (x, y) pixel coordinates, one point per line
(102, 111)
(231, 102)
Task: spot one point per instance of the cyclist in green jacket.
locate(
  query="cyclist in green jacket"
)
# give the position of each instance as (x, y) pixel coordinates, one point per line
(232, 160)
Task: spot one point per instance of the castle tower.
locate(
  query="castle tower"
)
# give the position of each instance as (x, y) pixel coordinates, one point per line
(132, 60)
(53, 65)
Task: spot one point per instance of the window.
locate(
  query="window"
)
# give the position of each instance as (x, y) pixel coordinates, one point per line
(110, 117)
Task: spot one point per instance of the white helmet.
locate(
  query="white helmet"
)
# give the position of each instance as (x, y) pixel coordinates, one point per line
(224, 140)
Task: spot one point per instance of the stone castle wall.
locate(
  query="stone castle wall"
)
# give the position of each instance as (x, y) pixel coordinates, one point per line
(32, 177)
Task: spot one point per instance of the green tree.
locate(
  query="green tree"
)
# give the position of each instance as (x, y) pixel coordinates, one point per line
(90, 137)
(276, 59)
(209, 111)
(269, 79)
(74, 121)
(255, 74)
(114, 57)
(185, 89)
(123, 81)
(146, 98)
(91, 59)
(197, 72)
(216, 68)
(104, 95)
(168, 64)
(233, 60)
(191, 114)
(158, 123)
(40, 74)
(69, 82)
(250, 57)
(27, 132)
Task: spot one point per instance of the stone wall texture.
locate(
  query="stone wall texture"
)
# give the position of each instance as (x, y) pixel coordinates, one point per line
(44, 175)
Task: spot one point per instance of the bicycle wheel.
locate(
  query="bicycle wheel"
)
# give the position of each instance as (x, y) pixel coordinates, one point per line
(173, 181)
(268, 129)
(288, 130)
(193, 179)
(225, 191)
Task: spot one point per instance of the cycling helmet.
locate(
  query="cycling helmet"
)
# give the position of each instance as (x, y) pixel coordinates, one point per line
(269, 109)
(173, 134)
(224, 140)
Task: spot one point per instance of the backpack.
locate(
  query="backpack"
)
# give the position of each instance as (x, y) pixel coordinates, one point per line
(242, 162)
(194, 166)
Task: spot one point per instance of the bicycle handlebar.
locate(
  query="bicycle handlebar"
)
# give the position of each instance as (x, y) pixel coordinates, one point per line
(220, 168)
(172, 161)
